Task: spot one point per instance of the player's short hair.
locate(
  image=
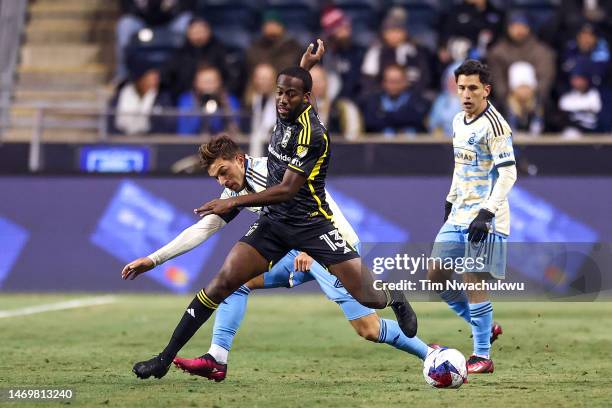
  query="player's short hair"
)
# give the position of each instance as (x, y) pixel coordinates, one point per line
(474, 67)
(221, 146)
(299, 73)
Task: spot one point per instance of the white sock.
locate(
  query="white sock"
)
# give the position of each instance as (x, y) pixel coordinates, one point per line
(219, 353)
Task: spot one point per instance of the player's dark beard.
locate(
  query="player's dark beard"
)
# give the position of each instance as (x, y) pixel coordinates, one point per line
(293, 115)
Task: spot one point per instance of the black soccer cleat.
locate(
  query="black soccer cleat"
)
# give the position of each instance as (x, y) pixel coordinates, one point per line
(406, 318)
(155, 367)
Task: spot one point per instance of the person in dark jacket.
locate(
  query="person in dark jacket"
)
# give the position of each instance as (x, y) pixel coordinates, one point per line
(201, 48)
(397, 109)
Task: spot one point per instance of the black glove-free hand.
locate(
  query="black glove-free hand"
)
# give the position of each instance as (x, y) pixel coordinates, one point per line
(448, 206)
(479, 228)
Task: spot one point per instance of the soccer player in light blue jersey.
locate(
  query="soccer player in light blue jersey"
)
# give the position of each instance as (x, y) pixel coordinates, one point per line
(477, 215)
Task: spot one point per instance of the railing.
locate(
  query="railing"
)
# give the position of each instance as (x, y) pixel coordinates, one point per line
(94, 119)
(12, 16)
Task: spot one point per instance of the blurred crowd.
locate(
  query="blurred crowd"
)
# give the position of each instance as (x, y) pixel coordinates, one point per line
(387, 69)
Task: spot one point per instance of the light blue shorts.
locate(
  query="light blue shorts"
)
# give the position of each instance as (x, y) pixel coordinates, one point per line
(488, 256)
(283, 275)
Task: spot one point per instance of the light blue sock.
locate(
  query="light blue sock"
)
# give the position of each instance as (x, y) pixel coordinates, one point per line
(482, 319)
(458, 301)
(229, 316)
(391, 334)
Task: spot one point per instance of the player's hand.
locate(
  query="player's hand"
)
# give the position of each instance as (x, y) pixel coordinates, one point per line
(302, 262)
(309, 59)
(218, 206)
(135, 268)
(479, 228)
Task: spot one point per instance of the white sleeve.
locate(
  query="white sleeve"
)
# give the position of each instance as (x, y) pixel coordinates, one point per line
(507, 177)
(188, 239)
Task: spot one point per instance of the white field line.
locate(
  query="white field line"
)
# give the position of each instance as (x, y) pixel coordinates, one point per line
(50, 307)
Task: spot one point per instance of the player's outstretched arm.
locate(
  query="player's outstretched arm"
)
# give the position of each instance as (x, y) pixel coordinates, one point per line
(310, 59)
(279, 193)
(137, 267)
(188, 239)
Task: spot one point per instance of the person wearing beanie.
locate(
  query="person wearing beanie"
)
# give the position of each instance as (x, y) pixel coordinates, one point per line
(524, 113)
(343, 57)
(581, 105)
(588, 47)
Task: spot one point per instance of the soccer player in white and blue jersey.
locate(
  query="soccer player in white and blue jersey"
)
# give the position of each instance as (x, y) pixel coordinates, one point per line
(477, 215)
(241, 175)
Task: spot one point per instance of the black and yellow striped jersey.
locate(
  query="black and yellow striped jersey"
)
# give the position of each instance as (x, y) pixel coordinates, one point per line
(302, 146)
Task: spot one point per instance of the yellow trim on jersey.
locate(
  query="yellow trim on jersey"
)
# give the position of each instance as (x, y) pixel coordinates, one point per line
(304, 119)
(295, 168)
(315, 172)
(206, 300)
(301, 134)
(317, 168)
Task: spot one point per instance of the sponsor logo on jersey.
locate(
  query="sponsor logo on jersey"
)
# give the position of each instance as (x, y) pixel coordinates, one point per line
(286, 137)
(504, 155)
(296, 162)
(279, 156)
(465, 156)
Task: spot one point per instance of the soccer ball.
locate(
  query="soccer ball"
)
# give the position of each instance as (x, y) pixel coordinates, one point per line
(445, 368)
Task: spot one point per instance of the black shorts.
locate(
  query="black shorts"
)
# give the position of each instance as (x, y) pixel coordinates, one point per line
(322, 241)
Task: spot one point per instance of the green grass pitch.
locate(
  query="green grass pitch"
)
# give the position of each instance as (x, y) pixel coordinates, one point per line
(298, 350)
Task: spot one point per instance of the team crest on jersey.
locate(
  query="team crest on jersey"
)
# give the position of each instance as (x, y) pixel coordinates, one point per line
(286, 137)
(302, 151)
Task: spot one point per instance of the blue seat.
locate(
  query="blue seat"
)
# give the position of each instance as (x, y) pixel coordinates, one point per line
(230, 13)
(154, 46)
(234, 37)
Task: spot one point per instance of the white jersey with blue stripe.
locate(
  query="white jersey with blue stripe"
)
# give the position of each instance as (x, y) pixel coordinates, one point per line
(256, 172)
(480, 146)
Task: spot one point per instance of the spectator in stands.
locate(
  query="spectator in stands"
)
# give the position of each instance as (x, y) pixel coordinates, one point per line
(521, 45)
(136, 103)
(572, 14)
(138, 14)
(398, 109)
(580, 105)
(201, 47)
(275, 46)
(524, 112)
(397, 49)
(342, 56)
(261, 104)
(339, 115)
(446, 105)
(590, 49)
(478, 21)
(219, 111)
